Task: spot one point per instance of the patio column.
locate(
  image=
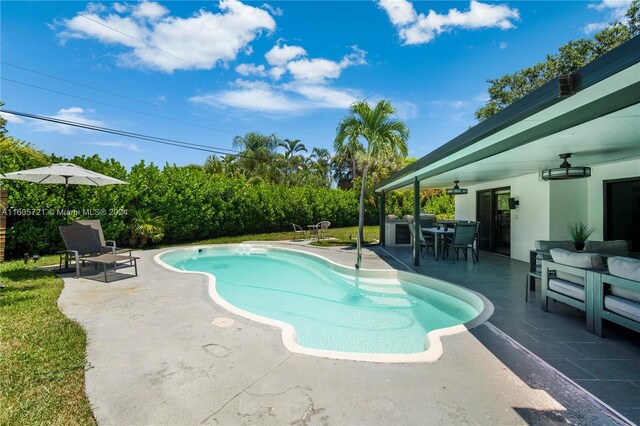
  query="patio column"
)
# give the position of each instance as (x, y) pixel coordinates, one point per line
(383, 214)
(416, 222)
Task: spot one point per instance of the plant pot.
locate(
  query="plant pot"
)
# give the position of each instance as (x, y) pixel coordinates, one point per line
(579, 246)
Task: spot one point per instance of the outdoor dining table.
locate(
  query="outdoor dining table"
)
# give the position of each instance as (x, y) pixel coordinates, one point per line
(437, 233)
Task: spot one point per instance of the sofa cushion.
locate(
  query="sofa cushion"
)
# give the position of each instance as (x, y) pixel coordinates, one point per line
(568, 288)
(577, 260)
(624, 307)
(543, 245)
(614, 247)
(628, 268)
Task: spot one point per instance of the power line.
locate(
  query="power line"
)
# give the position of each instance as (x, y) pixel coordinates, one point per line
(120, 95)
(148, 44)
(246, 112)
(79, 84)
(115, 106)
(154, 139)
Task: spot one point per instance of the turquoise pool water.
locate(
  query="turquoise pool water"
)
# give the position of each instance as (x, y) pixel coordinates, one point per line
(328, 310)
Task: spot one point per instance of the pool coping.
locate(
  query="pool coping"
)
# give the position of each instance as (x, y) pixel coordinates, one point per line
(433, 341)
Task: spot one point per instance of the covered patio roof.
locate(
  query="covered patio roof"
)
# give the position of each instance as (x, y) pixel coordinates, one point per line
(598, 123)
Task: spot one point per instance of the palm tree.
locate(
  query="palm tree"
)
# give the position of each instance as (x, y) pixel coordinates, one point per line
(291, 147)
(321, 162)
(385, 137)
(20, 152)
(213, 165)
(258, 152)
(145, 226)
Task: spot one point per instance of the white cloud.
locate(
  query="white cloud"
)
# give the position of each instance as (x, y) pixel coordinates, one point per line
(158, 41)
(417, 28)
(314, 70)
(280, 55)
(614, 11)
(405, 110)
(13, 119)
(251, 69)
(277, 72)
(121, 145)
(319, 70)
(594, 27)
(401, 12)
(75, 114)
(149, 10)
(275, 11)
(290, 98)
(305, 89)
(249, 97)
(502, 45)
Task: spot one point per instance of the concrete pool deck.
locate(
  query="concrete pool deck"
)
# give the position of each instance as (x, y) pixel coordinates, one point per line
(160, 351)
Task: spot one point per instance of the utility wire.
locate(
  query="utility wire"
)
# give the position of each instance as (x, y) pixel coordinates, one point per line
(148, 44)
(79, 84)
(154, 139)
(162, 50)
(119, 95)
(115, 106)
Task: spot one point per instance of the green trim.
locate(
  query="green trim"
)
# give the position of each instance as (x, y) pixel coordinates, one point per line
(618, 59)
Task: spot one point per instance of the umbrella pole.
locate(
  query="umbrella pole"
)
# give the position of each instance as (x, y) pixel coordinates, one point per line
(66, 201)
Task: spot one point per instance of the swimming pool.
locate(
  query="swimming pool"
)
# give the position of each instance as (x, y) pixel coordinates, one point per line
(331, 310)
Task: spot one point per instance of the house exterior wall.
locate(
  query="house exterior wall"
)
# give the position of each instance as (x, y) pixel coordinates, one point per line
(547, 208)
(599, 173)
(529, 221)
(568, 200)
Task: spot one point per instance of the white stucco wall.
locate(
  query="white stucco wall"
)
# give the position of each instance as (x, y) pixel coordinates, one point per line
(547, 208)
(595, 206)
(568, 202)
(529, 221)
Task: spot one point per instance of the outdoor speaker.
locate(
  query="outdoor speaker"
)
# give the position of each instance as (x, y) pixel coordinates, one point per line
(565, 85)
(513, 203)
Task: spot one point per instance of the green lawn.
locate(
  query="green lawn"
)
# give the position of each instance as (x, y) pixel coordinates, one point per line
(43, 353)
(344, 236)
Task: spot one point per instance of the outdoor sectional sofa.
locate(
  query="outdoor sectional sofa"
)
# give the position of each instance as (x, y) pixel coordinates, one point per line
(580, 280)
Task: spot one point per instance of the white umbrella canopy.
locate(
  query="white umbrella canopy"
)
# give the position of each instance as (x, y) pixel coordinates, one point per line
(65, 174)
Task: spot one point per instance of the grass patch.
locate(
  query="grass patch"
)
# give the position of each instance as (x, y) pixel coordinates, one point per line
(43, 352)
(346, 235)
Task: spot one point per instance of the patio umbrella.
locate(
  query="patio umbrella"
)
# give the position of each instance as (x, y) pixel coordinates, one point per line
(63, 173)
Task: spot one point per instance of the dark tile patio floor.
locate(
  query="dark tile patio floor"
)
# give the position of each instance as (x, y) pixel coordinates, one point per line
(608, 367)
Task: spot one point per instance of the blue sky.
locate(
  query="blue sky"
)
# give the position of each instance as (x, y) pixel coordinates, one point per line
(203, 72)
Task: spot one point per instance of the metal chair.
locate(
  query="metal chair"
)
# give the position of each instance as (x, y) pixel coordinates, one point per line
(297, 229)
(323, 229)
(464, 237)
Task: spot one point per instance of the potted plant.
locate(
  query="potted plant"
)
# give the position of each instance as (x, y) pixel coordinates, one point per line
(579, 233)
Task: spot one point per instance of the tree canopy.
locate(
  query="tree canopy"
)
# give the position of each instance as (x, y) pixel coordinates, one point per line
(505, 90)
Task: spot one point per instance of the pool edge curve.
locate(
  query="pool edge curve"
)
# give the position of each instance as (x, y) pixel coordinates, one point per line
(433, 341)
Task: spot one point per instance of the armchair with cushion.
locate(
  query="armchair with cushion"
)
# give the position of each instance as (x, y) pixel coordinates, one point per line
(617, 294)
(569, 279)
(535, 267)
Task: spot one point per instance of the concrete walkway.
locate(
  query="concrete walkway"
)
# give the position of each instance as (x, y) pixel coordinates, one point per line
(156, 356)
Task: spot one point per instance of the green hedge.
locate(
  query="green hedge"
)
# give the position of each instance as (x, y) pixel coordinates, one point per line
(193, 204)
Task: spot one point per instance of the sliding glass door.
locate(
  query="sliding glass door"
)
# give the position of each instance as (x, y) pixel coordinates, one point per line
(492, 210)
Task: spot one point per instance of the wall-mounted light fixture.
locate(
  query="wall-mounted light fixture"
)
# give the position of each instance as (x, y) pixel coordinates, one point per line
(456, 190)
(513, 203)
(566, 171)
